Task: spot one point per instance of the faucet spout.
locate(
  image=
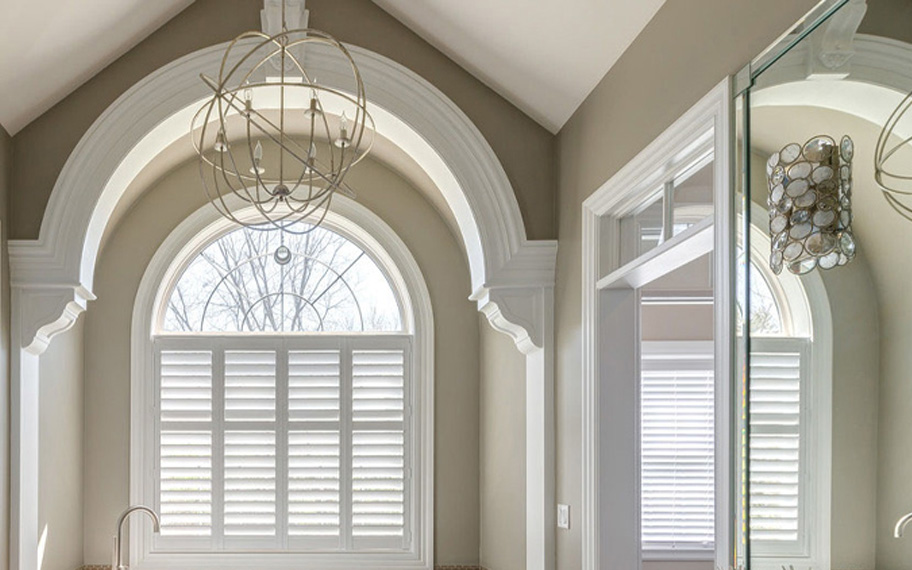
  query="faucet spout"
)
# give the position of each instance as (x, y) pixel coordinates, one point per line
(901, 525)
(118, 538)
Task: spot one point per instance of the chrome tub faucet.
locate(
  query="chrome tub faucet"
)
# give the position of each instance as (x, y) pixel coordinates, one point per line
(118, 538)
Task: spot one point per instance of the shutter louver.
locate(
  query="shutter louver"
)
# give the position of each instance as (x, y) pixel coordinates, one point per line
(378, 446)
(185, 443)
(250, 483)
(250, 386)
(677, 448)
(775, 448)
(314, 446)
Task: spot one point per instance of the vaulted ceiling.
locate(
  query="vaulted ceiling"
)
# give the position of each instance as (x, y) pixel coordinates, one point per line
(48, 48)
(544, 56)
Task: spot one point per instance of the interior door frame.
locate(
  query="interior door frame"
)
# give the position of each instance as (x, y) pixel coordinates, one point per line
(610, 292)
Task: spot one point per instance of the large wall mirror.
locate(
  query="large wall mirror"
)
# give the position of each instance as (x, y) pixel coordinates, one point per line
(825, 287)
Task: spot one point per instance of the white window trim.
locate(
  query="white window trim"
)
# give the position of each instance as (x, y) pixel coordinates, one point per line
(708, 124)
(391, 253)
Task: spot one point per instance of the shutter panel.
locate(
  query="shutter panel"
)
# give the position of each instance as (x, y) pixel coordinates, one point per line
(250, 444)
(314, 447)
(775, 445)
(292, 444)
(185, 443)
(378, 447)
(677, 446)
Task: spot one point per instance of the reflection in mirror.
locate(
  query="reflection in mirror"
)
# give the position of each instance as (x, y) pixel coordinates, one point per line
(828, 393)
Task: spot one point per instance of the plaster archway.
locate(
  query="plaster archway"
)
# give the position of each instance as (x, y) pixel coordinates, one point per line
(512, 278)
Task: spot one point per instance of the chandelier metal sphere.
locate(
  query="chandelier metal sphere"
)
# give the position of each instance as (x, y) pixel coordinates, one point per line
(275, 138)
(895, 183)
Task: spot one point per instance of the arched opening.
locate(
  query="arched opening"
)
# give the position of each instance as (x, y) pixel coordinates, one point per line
(511, 277)
(310, 440)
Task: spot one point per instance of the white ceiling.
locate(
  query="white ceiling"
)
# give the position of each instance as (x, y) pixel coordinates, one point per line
(48, 48)
(544, 56)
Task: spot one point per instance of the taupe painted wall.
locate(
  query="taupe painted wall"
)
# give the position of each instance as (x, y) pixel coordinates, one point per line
(107, 346)
(686, 49)
(503, 457)
(525, 149)
(60, 468)
(6, 155)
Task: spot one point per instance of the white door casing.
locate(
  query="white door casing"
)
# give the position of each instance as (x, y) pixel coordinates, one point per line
(606, 287)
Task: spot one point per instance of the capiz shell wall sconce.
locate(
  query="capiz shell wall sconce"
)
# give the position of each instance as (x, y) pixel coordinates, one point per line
(810, 205)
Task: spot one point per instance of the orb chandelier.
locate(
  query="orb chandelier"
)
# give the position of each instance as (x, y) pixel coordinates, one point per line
(271, 136)
(895, 184)
(810, 205)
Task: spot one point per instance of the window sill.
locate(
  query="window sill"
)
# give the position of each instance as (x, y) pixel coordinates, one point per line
(282, 561)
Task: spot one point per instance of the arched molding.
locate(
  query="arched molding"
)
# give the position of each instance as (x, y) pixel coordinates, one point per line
(879, 73)
(366, 229)
(156, 112)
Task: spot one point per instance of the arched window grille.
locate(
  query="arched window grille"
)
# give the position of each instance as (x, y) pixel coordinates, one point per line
(263, 280)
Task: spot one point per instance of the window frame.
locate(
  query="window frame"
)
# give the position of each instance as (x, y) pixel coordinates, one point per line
(368, 231)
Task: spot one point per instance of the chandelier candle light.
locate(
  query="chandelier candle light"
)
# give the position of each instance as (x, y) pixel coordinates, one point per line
(272, 136)
(810, 205)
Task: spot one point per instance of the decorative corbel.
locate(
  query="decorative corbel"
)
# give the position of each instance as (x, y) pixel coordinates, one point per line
(45, 312)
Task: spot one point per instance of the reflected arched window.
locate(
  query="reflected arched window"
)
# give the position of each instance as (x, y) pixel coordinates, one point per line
(264, 280)
(766, 315)
(788, 443)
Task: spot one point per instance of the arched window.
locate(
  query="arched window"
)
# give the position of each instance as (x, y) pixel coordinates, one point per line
(265, 281)
(284, 409)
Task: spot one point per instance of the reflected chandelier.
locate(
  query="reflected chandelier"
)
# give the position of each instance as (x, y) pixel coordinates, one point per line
(270, 135)
(895, 184)
(810, 205)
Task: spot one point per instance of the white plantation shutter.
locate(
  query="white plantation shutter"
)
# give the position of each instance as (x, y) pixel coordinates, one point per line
(249, 474)
(185, 443)
(677, 447)
(378, 447)
(778, 432)
(283, 444)
(314, 448)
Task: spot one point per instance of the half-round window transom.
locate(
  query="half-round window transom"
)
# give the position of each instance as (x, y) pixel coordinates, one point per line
(263, 280)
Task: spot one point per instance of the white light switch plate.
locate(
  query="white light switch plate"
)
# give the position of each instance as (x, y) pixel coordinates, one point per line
(563, 516)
